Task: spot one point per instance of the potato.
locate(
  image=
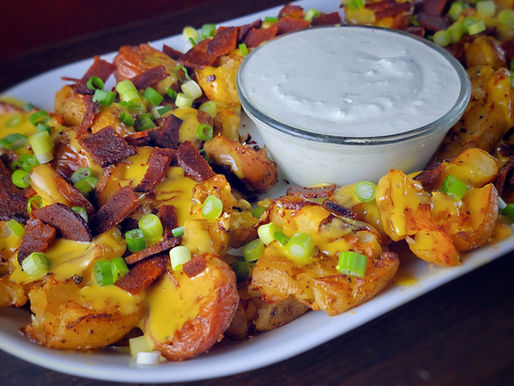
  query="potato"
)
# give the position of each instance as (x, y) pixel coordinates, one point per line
(69, 317)
(274, 315)
(70, 105)
(11, 294)
(367, 16)
(227, 120)
(187, 315)
(434, 246)
(484, 50)
(134, 60)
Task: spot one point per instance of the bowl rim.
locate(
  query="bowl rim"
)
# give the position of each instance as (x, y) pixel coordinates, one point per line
(451, 116)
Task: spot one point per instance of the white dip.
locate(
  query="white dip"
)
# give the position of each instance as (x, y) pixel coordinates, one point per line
(350, 81)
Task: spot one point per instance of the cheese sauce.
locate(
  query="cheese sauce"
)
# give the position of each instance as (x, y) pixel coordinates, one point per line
(350, 81)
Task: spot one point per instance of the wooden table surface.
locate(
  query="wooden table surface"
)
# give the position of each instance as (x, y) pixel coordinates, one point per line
(459, 334)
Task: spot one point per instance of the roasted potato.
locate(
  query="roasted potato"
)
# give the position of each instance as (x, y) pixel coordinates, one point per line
(11, 294)
(381, 13)
(484, 50)
(70, 105)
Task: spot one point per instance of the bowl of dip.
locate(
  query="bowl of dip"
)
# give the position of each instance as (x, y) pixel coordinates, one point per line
(343, 104)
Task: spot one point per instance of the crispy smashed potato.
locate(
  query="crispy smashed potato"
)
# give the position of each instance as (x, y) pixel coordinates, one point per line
(484, 51)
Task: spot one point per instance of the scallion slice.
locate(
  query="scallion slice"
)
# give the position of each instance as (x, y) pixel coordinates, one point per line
(34, 202)
(191, 89)
(16, 228)
(14, 121)
(87, 185)
(135, 240)
(40, 116)
(509, 212)
(241, 270)
(365, 191)
(179, 256)
(151, 227)
(42, 146)
(171, 93)
(352, 264)
(81, 174)
(145, 122)
(81, 212)
(94, 83)
(139, 344)
(26, 162)
(190, 33)
(208, 107)
(468, 21)
(13, 141)
(182, 68)
(36, 264)
(243, 49)
(455, 10)
(476, 28)
(454, 187)
(103, 272)
(212, 207)
(119, 268)
(204, 132)
(183, 100)
(281, 237)
(506, 17)
(150, 358)
(20, 178)
(442, 38)
(253, 250)
(258, 211)
(486, 9)
(267, 232)
(456, 31)
(127, 91)
(300, 248)
(28, 106)
(312, 13)
(44, 127)
(207, 31)
(153, 96)
(353, 5)
(163, 110)
(178, 231)
(104, 98)
(127, 119)
(270, 19)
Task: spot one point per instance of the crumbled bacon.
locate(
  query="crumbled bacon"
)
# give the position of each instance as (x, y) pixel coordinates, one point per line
(195, 266)
(395, 10)
(290, 24)
(168, 217)
(107, 147)
(503, 176)
(13, 204)
(327, 19)
(193, 163)
(99, 68)
(171, 52)
(70, 224)
(155, 249)
(340, 210)
(114, 211)
(311, 192)
(290, 10)
(37, 238)
(432, 22)
(508, 47)
(143, 274)
(158, 164)
(139, 138)
(167, 135)
(198, 57)
(149, 77)
(255, 37)
(89, 115)
(224, 42)
(435, 7)
(428, 177)
(244, 29)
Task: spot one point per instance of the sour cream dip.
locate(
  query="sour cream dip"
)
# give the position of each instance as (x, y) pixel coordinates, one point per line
(351, 85)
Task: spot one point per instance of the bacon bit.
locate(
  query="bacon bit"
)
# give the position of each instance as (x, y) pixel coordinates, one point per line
(419, 31)
(198, 57)
(71, 225)
(294, 202)
(70, 79)
(508, 47)
(503, 174)
(13, 203)
(164, 245)
(139, 138)
(380, 5)
(193, 163)
(327, 19)
(304, 192)
(290, 24)
(255, 37)
(168, 134)
(340, 210)
(37, 238)
(195, 266)
(435, 7)
(168, 216)
(171, 52)
(143, 274)
(428, 177)
(431, 22)
(107, 147)
(114, 211)
(294, 11)
(395, 10)
(99, 68)
(158, 164)
(244, 29)
(89, 115)
(149, 77)
(224, 42)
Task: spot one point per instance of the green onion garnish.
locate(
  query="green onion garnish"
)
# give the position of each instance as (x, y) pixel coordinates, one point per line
(501, 204)
(253, 250)
(42, 146)
(506, 17)
(87, 185)
(144, 122)
(454, 187)
(134, 106)
(128, 92)
(442, 38)
(258, 211)
(267, 232)
(26, 162)
(208, 107)
(135, 240)
(94, 83)
(14, 121)
(21, 179)
(104, 98)
(152, 96)
(312, 13)
(164, 110)
(243, 49)
(509, 212)
(204, 132)
(190, 33)
(103, 272)
(36, 264)
(300, 248)
(179, 256)
(139, 344)
(207, 31)
(13, 141)
(352, 264)
(456, 31)
(486, 9)
(212, 207)
(476, 28)
(28, 106)
(241, 269)
(191, 89)
(365, 191)
(183, 100)
(40, 116)
(178, 231)
(34, 202)
(171, 93)
(455, 10)
(468, 21)
(16, 228)
(151, 227)
(81, 174)
(182, 68)
(127, 119)
(270, 19)
(44, 127)
(119, 268)
(281, 237)
(355, 4)
(81, 212)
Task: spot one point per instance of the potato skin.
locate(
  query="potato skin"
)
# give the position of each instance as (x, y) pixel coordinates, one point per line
(11, 294)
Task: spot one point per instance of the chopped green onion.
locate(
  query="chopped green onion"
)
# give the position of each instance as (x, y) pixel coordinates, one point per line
(128, 92)
(151, 227)
(21, 179)
(212, 207)
(135, 106)
(183, 100)
(241, 269)
(506, 17)
(178, 231)
(486, 9)
(267, 232)
(179, 256)
(153, 96)
(87, 185)
(207, 31)
(191, 89)
(139, 344)
(501, 204)
(192, 41)
(204, 132)
(171, 93)
(352, 264)
(190, 33)
(44, 127)
(135, 240)
(281, 237)
(454, 187)
(509, 212)
(145, 122)
(353, 5)
(258, 211)
(468, 21)
(16, 228)
(127, 119)
(34, 202)
(442, 38)
(243, 49)
(40, 116)
(13, 141)
(182, 68)
(36, 264)
(476, 28)
(208, 107)
(14, 121)
(95, 82)
(300, 248)
(365, 191)
(455, 10)
(253, 250)
(28, 106)
(81, 212)
(312, 14)
(119, 268)
(415, 21)
(151, 358)
(456, 31)
(270, 19)
(42, 146)
(81, 174)
(104, 98)
(164, 110)
(103, 272)
(26, 162)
